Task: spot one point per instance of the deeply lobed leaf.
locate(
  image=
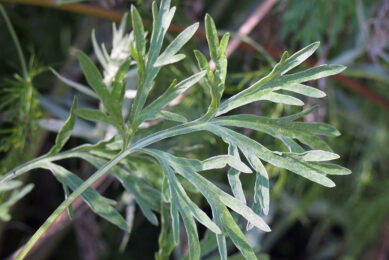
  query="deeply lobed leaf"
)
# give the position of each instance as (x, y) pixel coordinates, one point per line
(169, 191)
(276, 80)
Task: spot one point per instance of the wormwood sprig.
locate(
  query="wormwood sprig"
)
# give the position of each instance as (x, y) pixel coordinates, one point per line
(308, 160)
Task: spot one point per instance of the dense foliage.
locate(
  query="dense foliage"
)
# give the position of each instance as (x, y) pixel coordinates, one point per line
(171, 159)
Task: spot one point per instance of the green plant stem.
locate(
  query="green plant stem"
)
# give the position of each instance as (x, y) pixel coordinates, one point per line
(174, 131)
(22, 60)
(34, 164)
(66, 203)
(181, 129)
(29, 104)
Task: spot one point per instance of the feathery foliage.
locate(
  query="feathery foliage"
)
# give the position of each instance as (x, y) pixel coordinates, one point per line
(19, 110)
(307, 155)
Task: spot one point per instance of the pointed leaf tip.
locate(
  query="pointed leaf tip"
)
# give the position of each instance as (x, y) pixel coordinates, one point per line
(212, 37)
(268, 229)
(336, 132)
(328, 183)
(66, 130)
(338, 68)
(315, 44)
(319, 156)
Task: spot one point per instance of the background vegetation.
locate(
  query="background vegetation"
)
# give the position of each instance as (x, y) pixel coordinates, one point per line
(308, 221)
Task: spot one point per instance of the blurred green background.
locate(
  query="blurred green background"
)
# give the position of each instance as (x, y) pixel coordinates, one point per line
(350, 221)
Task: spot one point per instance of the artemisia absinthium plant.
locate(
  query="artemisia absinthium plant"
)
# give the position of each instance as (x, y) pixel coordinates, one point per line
(307, 156)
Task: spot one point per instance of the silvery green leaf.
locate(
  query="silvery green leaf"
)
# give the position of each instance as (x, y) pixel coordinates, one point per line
(215, 80)
(233, 176)
(14, 197)
(165, 191)
(216, 198)
(187, 168)
(17, 195)
(181, 198)
(139, 33)
(173, 59)
(233, 231)
(105, 52)
(193, 237)
(282, 99)
(95, 201)
(139, 189)
(314, 73)
(298, 115)
(190, 206)
(276, 80)
(333, 169)
(161, 22)
(224, 43)
(65, 132)
(10, 185)
(212, 38)
(292, 145)
(119, 86)
(94, 78)
(305, 90)
(261, 187)
(271, 126)
(309, 170)
(222, 161)
(94, 115)
(315, 156)
(170, 94)
(98, 52)
(130, 203)
(222, 246)
(220, 238)
(70, 208)
(165, 239)
(299, 57)
(176, 45)
(146, 197)
(202, 61)
(284, 129)
(175, 222)
(185, 212)
(81, 129)
(75, 85)
(207, 244)
(172, 116)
